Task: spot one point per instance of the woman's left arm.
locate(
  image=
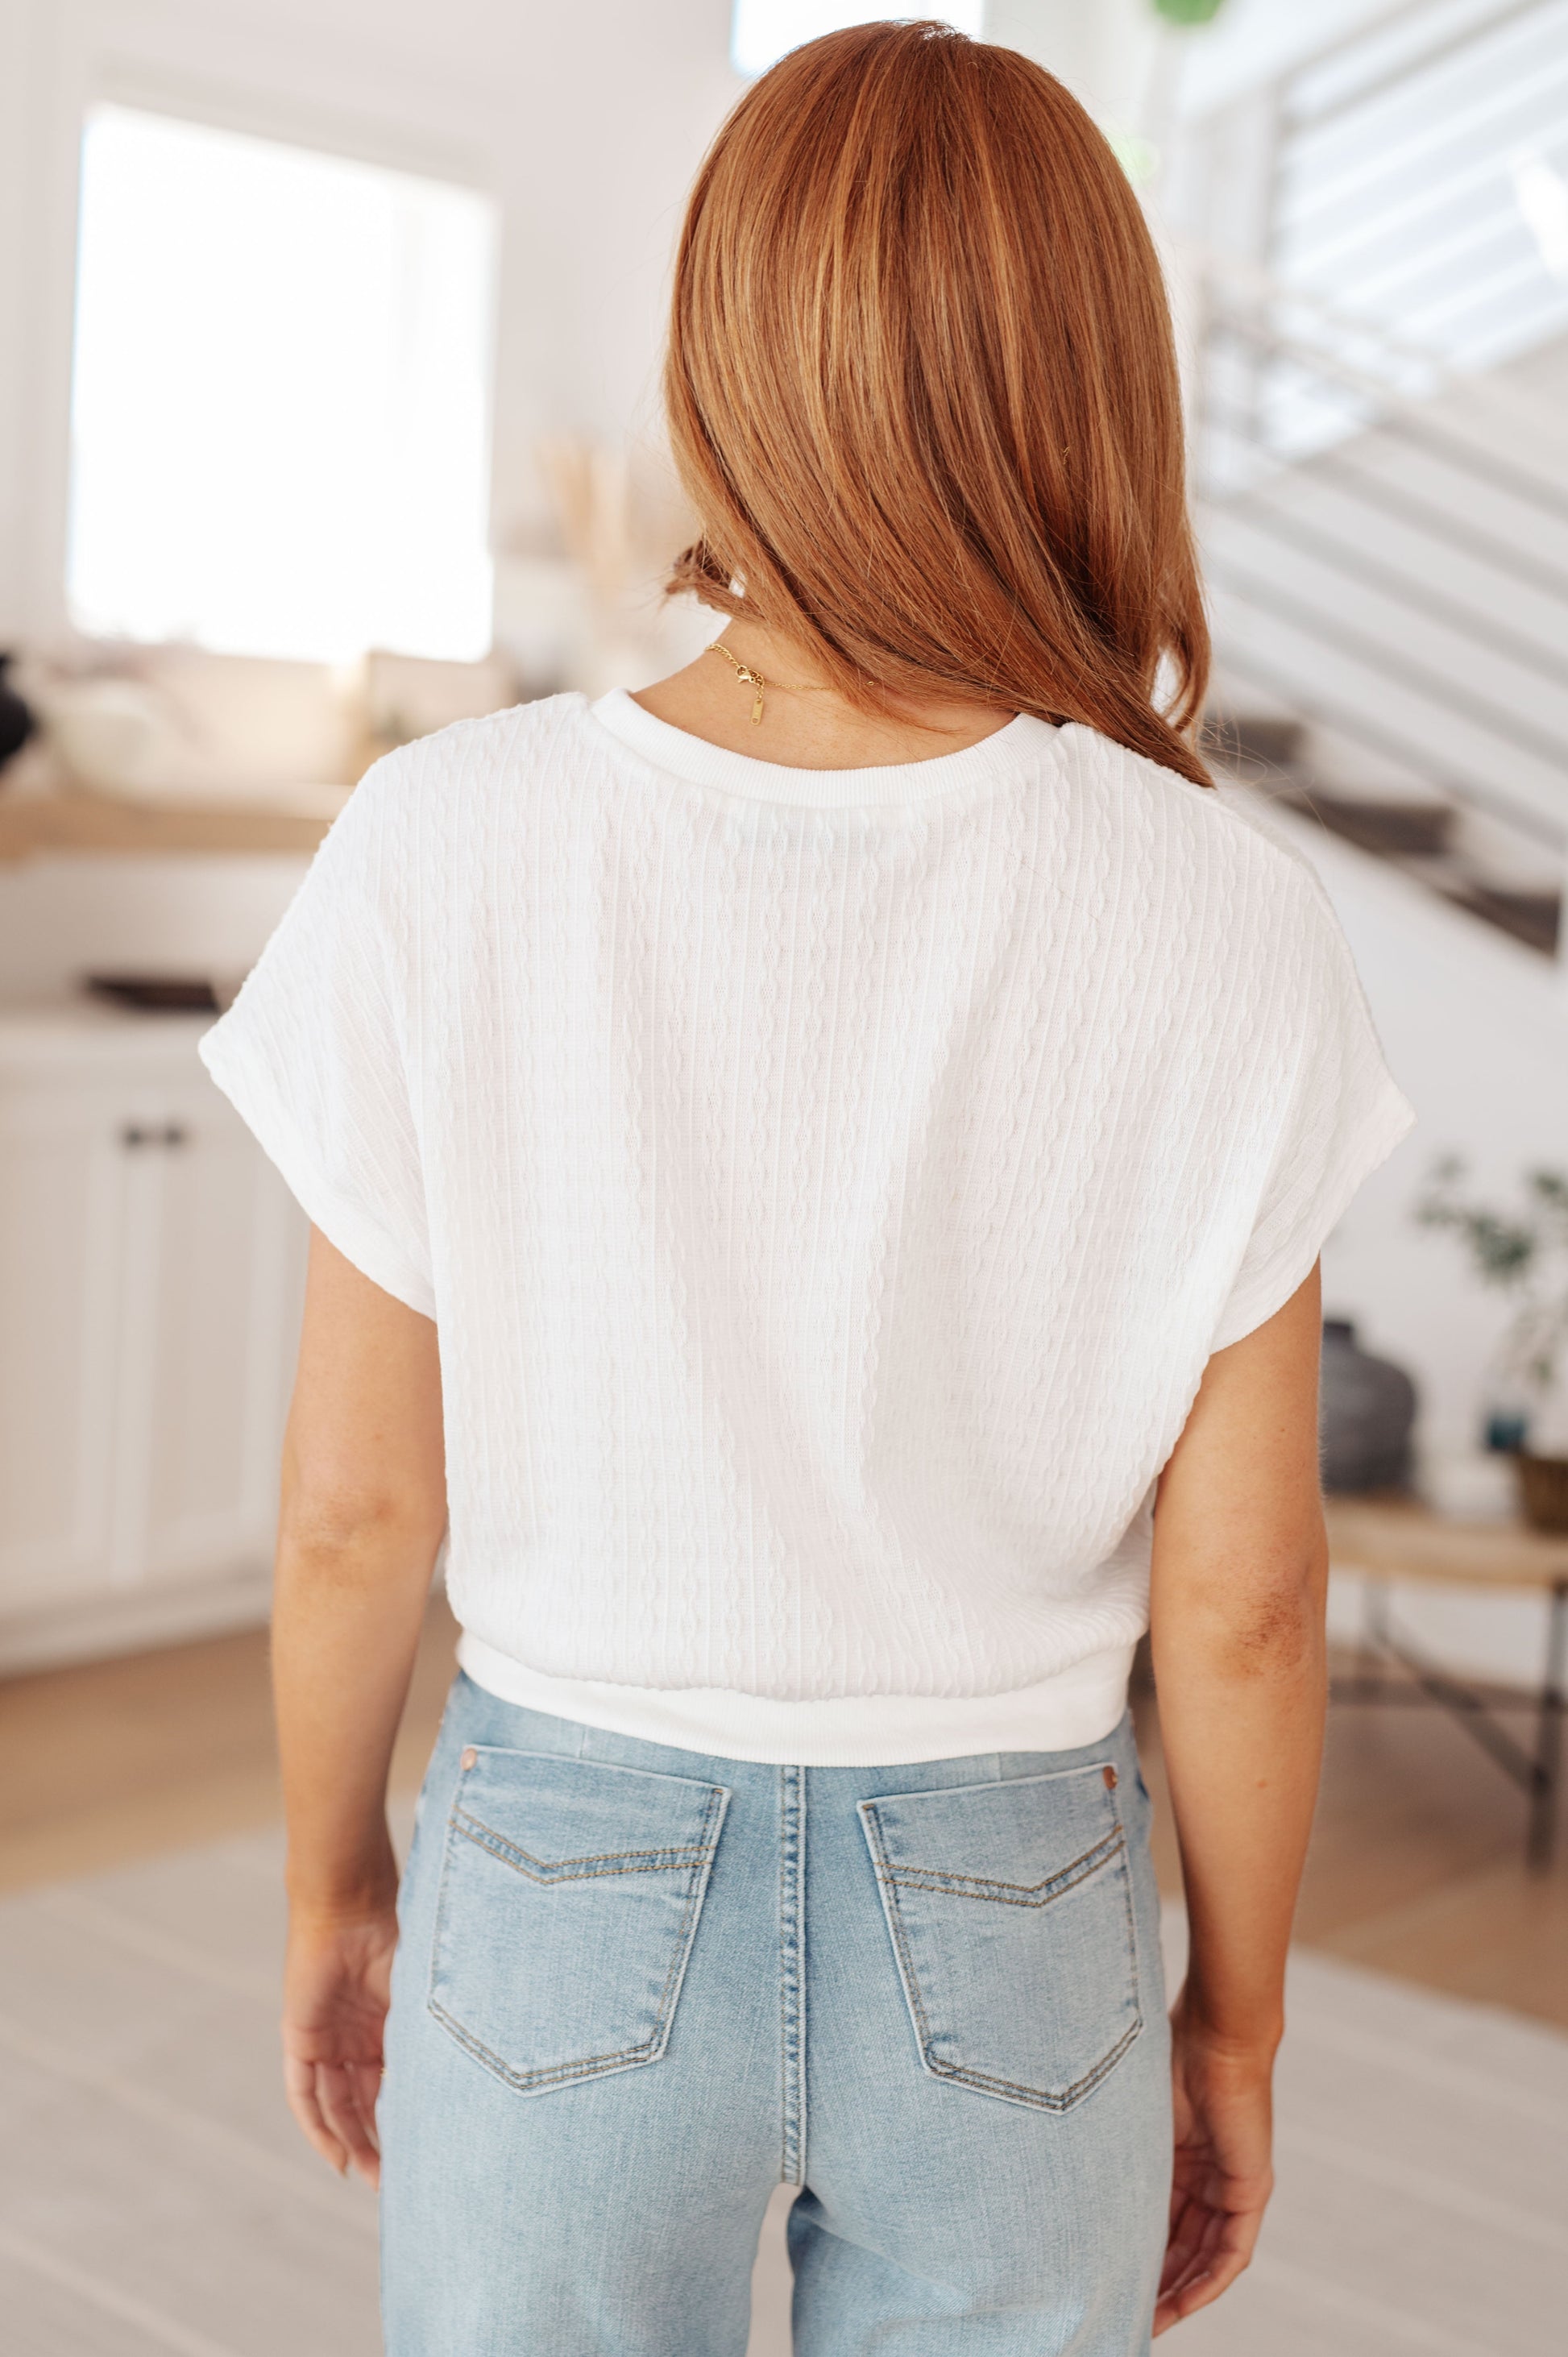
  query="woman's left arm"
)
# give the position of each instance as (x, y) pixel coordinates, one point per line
(364, 1510)
(1237, 1596)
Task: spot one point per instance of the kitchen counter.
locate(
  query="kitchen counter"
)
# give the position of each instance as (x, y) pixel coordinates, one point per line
(82, 821)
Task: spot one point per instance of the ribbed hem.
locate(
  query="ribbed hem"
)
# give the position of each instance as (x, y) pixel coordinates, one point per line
(682, 755)
(1078, 1705)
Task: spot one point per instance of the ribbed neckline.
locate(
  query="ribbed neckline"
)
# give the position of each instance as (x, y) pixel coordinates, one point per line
(692, 757)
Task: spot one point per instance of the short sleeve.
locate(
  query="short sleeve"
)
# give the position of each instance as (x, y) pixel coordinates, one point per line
(1343, 1114)
(314, 1051)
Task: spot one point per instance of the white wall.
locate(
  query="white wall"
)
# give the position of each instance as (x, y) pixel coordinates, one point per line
(1251, 40)
(586, 123)
(1476, 1030)
(1133, 71)
(1103, 51)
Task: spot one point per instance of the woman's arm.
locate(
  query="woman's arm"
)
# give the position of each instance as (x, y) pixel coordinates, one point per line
(1238, 1581)
(364, 1506)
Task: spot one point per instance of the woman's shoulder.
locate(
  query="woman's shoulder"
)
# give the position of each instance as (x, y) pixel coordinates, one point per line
(504, 751)
(419, 808)
(429, 824)
(1166, 820)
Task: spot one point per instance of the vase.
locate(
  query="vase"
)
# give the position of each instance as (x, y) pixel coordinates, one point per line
(1366, 1416)
(1542, 1489)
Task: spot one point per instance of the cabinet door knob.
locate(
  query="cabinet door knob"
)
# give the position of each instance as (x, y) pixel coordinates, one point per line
(135, 1134)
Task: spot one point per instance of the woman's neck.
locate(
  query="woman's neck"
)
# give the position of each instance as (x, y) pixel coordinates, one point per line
(804, 723)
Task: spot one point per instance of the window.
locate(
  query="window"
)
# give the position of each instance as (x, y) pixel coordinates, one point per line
(280, 398)
(762, 30)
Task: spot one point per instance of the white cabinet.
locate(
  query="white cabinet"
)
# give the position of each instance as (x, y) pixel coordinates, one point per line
(151, 1270)
(61, 1202)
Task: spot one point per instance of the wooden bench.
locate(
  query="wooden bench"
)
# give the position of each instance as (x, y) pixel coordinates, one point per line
(1385, 1541)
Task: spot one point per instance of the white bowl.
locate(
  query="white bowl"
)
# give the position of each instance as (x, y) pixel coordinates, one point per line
(106, 731)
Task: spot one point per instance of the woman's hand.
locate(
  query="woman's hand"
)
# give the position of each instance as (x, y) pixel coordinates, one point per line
(336, 1987)
(1222, 2178)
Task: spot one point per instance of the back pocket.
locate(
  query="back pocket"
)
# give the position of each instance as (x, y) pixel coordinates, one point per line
(1011, 1911)
(569, 1898)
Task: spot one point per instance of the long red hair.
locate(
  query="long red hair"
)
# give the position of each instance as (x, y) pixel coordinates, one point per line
(923, 396)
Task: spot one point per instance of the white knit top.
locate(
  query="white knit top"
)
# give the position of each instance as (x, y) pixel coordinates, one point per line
(828, 1184)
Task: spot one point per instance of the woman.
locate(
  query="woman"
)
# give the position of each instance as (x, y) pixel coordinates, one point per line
(817, 1172)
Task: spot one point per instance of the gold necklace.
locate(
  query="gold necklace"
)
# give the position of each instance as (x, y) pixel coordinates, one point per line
(753, 678)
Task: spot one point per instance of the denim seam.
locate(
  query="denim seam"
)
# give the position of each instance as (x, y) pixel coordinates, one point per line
(983, 2082)
(791, 1959)
(652, 2046)
(1014, 1894)
(1131, 1921)
(508, 1853)
(988, 2085)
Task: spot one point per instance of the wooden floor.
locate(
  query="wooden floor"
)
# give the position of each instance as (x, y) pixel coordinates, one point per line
(1417, 1861)
(125, 1759)
(1416, 1868)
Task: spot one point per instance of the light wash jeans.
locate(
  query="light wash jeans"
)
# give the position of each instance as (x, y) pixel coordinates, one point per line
(637, 1988)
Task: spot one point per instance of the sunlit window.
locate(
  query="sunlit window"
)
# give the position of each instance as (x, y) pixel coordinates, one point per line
(281, 397)
(762, 30)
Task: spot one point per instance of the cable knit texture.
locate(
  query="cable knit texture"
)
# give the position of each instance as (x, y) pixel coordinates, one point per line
(828, 1184)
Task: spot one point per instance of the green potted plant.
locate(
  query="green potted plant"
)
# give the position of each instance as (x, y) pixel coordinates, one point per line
(1523, 1253)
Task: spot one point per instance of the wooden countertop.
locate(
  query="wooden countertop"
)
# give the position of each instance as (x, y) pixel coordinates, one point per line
(295, 820)
(1392, 1538)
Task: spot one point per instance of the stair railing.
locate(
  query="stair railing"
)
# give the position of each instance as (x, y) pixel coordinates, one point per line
(1236, 457)
(1385, 161)
(1380, 175)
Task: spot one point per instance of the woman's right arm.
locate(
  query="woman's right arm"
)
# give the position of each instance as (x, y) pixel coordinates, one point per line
(364, 1506)
(1238, 1586)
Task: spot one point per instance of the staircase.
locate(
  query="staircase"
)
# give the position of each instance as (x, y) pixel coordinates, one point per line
(1380, 446)
(1420, 834)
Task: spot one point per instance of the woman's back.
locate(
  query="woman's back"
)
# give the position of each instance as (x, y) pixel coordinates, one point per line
(829, 1186)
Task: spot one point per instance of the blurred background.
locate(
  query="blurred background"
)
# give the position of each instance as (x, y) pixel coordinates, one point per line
(328, 415)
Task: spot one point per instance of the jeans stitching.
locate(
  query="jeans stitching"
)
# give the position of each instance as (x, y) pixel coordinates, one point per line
(652, 2046)
(1041, 2099)
(589, 2067)
(509, 1852)
(1014, 1894)
(791, 1995)
(1131, 1921)
(1054, 2102)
